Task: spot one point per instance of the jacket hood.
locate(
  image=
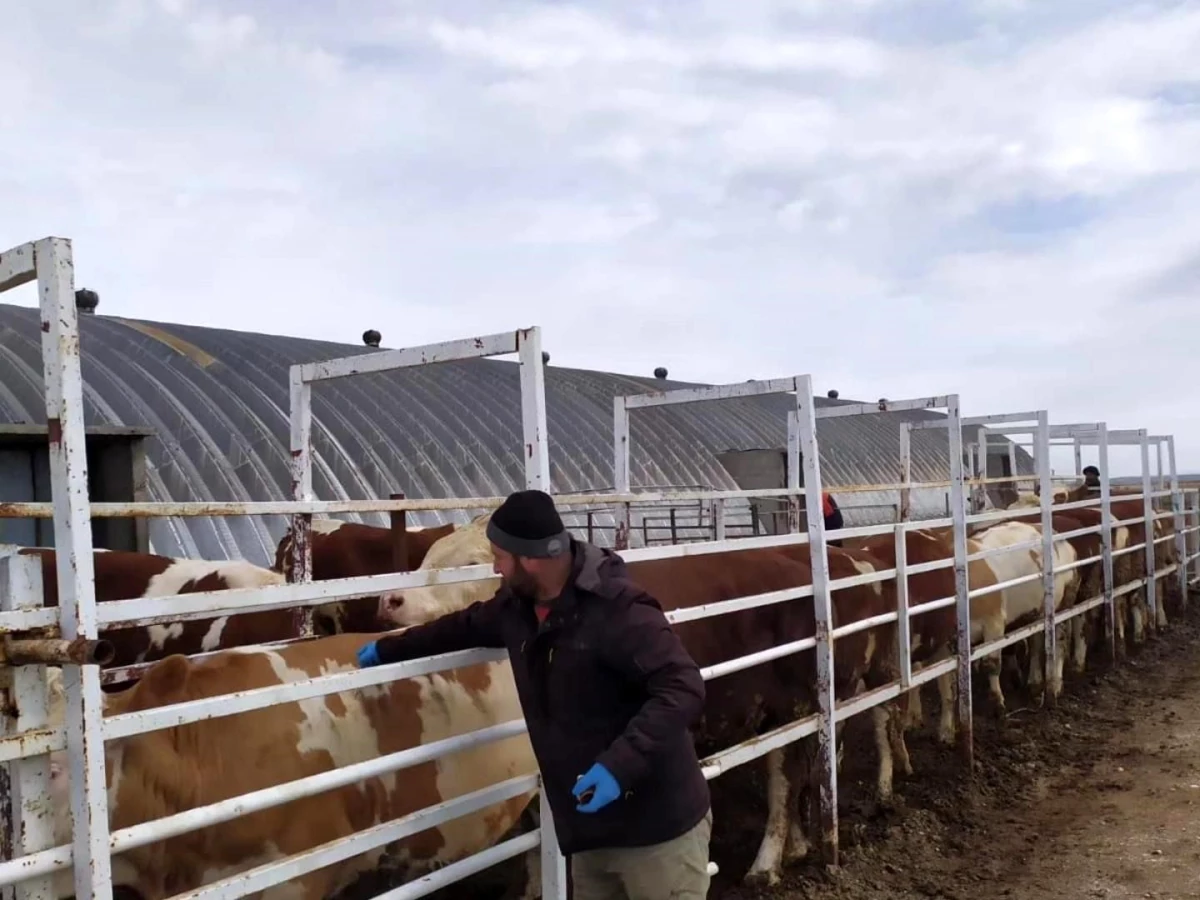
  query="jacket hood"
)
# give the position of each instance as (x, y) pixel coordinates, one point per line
(596, 565)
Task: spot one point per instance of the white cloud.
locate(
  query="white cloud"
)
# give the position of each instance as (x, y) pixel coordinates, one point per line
(991, 197)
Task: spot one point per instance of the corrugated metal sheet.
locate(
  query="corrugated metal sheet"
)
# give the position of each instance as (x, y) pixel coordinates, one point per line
(218, 403)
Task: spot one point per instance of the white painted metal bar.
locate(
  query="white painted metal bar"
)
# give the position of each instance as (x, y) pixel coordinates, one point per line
(903, 623)
(729, 666)
(464, 868)
(975, 421)
(1178, 520)
(712, 392)
(622, 443)
(29, 813)
(333, 507)
(300, 427)
(167, 827)
(17, 267)
(1195, 555)
(278, 871)
(387, 360)
(1080, 608)
(806, 416)
(905, 511)
(1046, 492)
(76, 577)
(961, 586)
(1148, 525)
(533, 410)
(860, 409)
(737, 604)
(793, 471)
(1015, 636)
(1106, 541)
(222, 705)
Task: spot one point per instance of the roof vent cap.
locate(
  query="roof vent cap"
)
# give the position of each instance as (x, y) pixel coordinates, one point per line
(371, 337)
(86, 300)
(660, 373)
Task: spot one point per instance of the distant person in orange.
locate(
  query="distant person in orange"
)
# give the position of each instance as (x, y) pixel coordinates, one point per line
(833, 516)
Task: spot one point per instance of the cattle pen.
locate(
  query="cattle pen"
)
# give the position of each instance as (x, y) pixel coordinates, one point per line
(37, 637)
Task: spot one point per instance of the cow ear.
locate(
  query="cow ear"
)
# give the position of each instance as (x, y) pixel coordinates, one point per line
(165, 679)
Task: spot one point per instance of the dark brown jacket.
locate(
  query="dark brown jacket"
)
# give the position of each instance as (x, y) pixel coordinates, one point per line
(603, 679)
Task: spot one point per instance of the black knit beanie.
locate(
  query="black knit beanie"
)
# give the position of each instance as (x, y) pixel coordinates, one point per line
(527, 524)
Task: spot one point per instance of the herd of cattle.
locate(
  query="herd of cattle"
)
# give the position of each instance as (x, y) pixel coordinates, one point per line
(171, 770)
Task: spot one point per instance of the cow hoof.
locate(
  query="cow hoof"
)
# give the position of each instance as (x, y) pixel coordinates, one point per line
(757, 878)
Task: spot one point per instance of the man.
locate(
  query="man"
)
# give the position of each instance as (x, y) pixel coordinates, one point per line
(1091, 477)
(833, 516)
(609, 694)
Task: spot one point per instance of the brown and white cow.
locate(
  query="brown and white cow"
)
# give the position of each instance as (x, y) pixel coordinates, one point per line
(124, 575)
(934, 635)
(351, 550)
(168, 771)
(742, 704)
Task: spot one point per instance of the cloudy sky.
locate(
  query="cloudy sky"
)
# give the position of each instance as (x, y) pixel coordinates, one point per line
(902, 197)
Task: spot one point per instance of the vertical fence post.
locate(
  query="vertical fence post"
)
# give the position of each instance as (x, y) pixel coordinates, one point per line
(533, 410)
(958, 513)
(30, 812)
(1078, 458)
(621, 471)
(1196, 535)
(537, 477)
(1179, 523)
(76, 570)
(1106, 540)
(300, 570)
(905, 472)
(1148, 528)
(719, 526)
(1046, 490)
(822, 604)
(903, 622)
(794, 457)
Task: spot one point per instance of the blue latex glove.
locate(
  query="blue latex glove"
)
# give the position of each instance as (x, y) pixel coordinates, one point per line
(368, 655)
(600, 784)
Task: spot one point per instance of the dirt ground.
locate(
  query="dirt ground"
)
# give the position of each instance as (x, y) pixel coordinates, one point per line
(1099, 798)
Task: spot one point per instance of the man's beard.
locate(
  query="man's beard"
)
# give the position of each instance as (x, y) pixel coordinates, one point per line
(522, 584)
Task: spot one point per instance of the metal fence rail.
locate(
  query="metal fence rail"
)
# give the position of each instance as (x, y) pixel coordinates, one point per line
(31, 734)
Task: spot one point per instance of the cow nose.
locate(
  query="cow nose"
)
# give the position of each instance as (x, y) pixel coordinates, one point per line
(395, 601)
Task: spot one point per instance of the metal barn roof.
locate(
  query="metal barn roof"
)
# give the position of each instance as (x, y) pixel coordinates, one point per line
(217, 402)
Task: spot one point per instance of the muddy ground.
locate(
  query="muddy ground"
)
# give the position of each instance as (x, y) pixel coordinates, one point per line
(1098, 798)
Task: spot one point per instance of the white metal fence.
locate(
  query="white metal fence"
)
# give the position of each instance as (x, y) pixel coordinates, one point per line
(36, 637)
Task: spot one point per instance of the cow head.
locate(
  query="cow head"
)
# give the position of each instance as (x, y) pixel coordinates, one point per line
(466, 546)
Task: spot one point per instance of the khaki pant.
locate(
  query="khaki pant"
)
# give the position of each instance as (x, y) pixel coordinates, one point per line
(673, 870)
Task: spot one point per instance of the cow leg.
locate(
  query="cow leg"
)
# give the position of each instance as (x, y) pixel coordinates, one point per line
(993, 630)
(880, 716)
(796, 761)
(914, 711)
(897, 725)
(947, 725)
(1063, 635)
(1120, 613)
(1081, 626)
(767, 863)
(1139, 623)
